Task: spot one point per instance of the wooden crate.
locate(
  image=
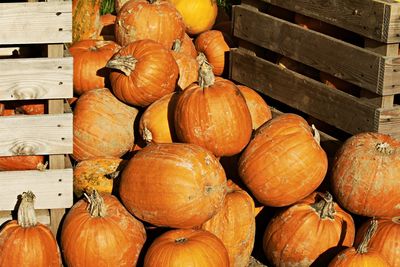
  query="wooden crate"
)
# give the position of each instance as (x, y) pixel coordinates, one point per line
(373, 66)
(27, 29)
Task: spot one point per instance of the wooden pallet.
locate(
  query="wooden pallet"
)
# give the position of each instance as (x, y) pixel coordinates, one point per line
(374, 67)
(47, 25)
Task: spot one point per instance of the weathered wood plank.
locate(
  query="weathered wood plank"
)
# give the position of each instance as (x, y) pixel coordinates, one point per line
(389, 121)
(35, 78)
(42, 22)
(36, 134)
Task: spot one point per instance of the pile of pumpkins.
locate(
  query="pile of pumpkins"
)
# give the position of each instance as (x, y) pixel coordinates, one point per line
(165, 145)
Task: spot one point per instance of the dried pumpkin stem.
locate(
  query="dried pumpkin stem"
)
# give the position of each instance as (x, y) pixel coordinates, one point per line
(317, 136)
(363, 247)
(26, 211)
(181, 240)
(176, 46)
(96, 204)
(126, 64)
(206, 75)
(396, 220)
(384, 148)
(325, 207)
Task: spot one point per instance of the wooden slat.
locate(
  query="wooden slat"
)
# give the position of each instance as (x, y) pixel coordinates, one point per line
(41, 22)
(35, 78)
(43, 216)
(36, 134)
(389, 121)
(378, 20)
(348, 62)
(51, 187)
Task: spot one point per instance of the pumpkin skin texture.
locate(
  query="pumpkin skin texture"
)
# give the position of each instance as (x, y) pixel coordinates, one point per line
(102, 233)
(198, 15)
(283, 163)
(155, 20)
(309, 232)
(119, 4)
(86, 23)
(143, 72)
(25, 242)
(90, 59)
(19, 163)
(385, 240)
(187, 247)
(188, 69)
(365, 175)
(95, 110)
(175, 185)
(187, 47)
(234, 225)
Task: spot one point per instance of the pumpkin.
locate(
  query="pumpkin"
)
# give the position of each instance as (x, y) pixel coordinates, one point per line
(103, 126)
(186, 247)
(157, 121)
(213, 45)
(312, 231)
(235, 224)
(188, 68)
(259, 110)
(90, 59)
(186, 46)
(26, 242)
(119, 4)
(363, 255)
(198, 15)
(213, 114)
(99, 231)
(365, 175)
(284, 162)
(156, 20)
(385, 240)
(143, 72)
(23, 107)
(19, 163)
(175, 185)
(337, 83)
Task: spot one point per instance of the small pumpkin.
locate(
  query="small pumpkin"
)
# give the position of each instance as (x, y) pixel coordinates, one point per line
(188, 68)
(186, 247)
(186, 46)
(19, 163)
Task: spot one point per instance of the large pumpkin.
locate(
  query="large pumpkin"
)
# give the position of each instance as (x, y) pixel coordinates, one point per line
(365, 175)
(157, 20)
(90, 59)
(26, 242)
(103, 126)
(101, 233)
(284, 162)
(187, 247)
(143, 72)
(311, 231)
(235, 225)
(175, 185)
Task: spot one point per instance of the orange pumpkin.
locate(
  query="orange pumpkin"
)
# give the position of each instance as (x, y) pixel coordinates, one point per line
(156, 20)
(90, 59)
(175, 185)
(26, 242)
(143, 72)
(235, 225)
(19, 163)
(365, 175)
(188, 69)
(186, 46)
(310, 232)
(187, 247)
(284, 162)
(98, 115)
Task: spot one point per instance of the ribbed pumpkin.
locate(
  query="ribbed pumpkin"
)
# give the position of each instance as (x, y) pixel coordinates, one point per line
(175, 185)
(363, 255)
(157, 20)
(212, 44)
(284, 162)
(198, 15)
(213, 114)
(186, 46)
(143, 72)
(385, 240)
(97, 173)
(187, 247)
(188, 68)
(103, 126)
(90, 59)
(101, 233)
(157, 121)
(311, 231)
(259, 110)
(26, 242)
(365, 175)
(235, 225)
(18, 163)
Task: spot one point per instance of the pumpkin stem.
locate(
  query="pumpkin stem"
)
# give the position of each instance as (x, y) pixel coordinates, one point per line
(206, 75)
(317, 136)
(396, 219)
(176, 46)
(363, 247)
(126, 64)
(96, 206)
(152, 1)
(181, 240)
(384, 148)
(147, 135)
(26, 211)
(325, 207)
